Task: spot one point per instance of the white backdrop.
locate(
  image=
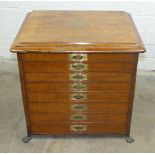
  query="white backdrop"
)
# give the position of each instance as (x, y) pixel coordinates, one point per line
(12, 14)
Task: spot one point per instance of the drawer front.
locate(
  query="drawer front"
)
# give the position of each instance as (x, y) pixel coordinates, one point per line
(77, 107)
(43, 67)
(78, 97)
(80, 57)
(82, 128)
(45, 57)
(47, 77)
(78, 93)
(77, 86)
(79, 117)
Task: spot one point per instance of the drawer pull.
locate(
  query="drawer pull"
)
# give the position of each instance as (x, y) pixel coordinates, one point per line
(78, 96)
(78, 107)
(78, 76)
(78, 57)
(78, 67)
(78, 117)
(79, 128)
(78, 86)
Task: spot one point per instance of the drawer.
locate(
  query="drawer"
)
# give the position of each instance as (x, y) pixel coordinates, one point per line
(69, 107)
(44, 57)
(62, 67)
(76, 86)
(74, 128)
(80, 57)
(46, 77)
(78, 117)
(78, 97)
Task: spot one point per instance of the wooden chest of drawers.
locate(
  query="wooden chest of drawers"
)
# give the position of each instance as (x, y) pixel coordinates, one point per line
(78, 71)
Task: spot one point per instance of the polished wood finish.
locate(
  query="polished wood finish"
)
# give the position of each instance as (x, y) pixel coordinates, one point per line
(81, 80)
(92, 128)
(89, 31)
(91, 97)
(24, 93)
(66, 107)
(60, 67)
(91, 57)
(40, 87)
(95, 77)
(91, 117)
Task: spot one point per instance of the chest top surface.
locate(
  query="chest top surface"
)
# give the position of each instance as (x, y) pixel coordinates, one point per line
(89, 31)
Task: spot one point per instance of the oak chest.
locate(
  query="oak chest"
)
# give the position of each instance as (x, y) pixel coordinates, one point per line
(78, 71)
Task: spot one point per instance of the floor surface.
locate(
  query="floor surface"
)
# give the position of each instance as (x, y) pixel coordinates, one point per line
(12, 123)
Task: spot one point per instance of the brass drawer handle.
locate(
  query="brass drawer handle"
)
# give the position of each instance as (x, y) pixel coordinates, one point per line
(79, 128)
(78, 96)
(78, 57)
(78, 117)
(78, 76)
(78, 86)
(78, 67)
(78, 107)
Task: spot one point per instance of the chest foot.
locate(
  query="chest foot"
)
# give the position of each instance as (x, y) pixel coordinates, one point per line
(26, 139)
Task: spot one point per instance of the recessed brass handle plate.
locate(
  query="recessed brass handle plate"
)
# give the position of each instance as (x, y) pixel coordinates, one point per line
(78, 117)
(78, 67)
(78, 96)
(78, 76)
(79, 107)
(78, 86)
(78, 128)
(78, 57)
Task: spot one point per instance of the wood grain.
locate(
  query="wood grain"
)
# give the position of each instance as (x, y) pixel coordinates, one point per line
(48, 87)
(57, 67)
(66, 107)
(90, 57)
(91, 97)
(98, 77)
(112, 44)
(90, 117)
(24, 93)
(92, 128)
(111, 31)
(133, 82)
